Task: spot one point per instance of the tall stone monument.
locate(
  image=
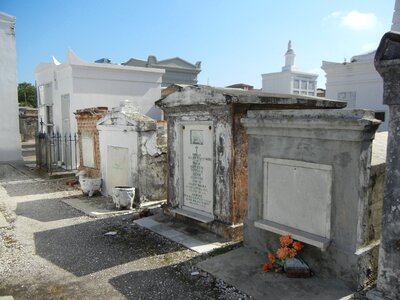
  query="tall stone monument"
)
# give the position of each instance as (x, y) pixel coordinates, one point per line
(387, 63)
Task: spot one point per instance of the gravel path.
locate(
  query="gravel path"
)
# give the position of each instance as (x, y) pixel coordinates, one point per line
(52, 251)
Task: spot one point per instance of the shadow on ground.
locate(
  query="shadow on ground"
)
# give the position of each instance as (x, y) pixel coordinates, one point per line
(46, 210)
(171, 282)
(84, 248)
(8, 173)
(18, 189)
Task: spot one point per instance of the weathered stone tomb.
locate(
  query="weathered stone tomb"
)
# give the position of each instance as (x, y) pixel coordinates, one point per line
(207, 151)
(311, 176)
(133, 153)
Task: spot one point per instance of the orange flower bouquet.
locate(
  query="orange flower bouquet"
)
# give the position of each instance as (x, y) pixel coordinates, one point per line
(289, 249)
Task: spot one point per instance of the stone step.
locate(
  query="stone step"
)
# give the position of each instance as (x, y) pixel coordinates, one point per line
(28, 149)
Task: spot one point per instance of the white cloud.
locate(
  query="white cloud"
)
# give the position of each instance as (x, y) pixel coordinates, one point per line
(359, 21)
(354, 20)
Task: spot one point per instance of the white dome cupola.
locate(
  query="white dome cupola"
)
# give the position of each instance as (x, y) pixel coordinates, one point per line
(290, 56)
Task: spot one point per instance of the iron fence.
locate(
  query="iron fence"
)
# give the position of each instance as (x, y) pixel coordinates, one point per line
(56, 151)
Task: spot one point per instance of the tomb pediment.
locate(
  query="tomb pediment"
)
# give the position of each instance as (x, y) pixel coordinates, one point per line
(135, 121)
(176, 62)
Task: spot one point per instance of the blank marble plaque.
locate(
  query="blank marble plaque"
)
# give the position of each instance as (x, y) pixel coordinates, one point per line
(297, 194)
(118, 163)
(87, 149)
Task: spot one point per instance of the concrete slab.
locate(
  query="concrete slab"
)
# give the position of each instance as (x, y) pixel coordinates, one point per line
(148, 223)
(92, 210)
(242, 268)
(196, 239)
(10, 172)
(57, 174)
(6, 298)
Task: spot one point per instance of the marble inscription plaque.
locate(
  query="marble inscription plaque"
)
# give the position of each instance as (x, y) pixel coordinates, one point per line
(198, 176)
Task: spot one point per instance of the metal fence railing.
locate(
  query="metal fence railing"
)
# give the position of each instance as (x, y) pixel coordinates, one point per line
(56, 151)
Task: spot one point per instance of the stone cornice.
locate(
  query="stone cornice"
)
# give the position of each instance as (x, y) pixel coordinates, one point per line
(206, 95)
(346, 125)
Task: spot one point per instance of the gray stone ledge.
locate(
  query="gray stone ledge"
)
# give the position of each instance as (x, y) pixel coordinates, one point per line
(193, 215)
(350, 125)
(297, 234)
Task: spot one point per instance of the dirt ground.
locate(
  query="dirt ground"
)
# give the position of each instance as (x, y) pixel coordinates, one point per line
(51, 251)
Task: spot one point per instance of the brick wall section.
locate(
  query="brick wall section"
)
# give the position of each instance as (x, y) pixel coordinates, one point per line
(86, 120)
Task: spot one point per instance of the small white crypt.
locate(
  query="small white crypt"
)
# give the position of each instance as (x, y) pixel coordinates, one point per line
(133, 153)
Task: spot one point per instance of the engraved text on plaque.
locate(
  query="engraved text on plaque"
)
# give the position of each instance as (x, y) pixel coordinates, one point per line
(198, 167)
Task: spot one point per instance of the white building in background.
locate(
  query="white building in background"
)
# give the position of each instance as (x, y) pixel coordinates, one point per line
(290, 80)
(75, 84)
(10, 139)
(358, 83)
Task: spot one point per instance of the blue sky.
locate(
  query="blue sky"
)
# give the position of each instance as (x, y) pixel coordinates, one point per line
(236, 41)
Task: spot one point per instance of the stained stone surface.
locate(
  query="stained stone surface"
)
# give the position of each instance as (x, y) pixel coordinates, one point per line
(322, 188)
(387, 63)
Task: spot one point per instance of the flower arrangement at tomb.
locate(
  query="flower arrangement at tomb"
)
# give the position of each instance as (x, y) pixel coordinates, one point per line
(287, 259)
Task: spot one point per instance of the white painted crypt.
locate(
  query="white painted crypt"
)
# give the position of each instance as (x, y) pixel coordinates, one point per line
(10, 139)
(64, 88)
(358, 83)
(290, 80)
(133, 153)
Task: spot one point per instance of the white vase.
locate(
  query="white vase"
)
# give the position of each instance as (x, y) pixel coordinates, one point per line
(123, 196)
(89, 185)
